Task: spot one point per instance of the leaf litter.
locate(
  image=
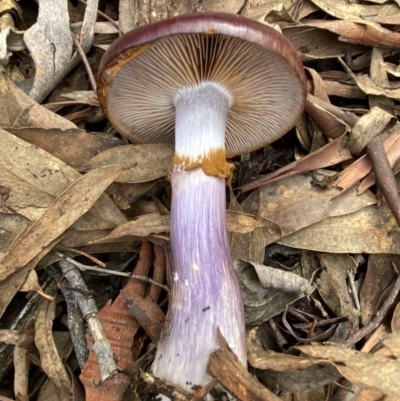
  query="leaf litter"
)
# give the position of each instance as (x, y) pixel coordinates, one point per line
(312, 226)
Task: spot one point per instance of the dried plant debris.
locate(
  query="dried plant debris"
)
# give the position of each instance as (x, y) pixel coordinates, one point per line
(313, 220)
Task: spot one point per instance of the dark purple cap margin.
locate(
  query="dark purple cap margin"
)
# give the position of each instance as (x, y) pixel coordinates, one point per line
(226, 24)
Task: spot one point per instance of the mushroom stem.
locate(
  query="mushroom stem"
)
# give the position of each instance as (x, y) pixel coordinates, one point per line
(205, 292)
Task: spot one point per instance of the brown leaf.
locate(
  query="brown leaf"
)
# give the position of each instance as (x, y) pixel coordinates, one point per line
(328, 155)
(284, 207)
(73, 146)
(249, 245)
(66, 209)
(142, 226)
(356, 12)
(365, 370)
(21, 338)
(50, 44)
(261, 301)
(393, 343)
(332, 286)
(33, 179)
(317, 44)
(361, 32)
(13, 225)
(150, 161)
(50, 360)
(362, 166)
(285, 372)
(18, 110)
(367, 127)
(21, 376)
(380, 274)
(31, 283)
(369, 230)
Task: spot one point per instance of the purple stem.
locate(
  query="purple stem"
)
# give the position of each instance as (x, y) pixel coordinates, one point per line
(205, 292)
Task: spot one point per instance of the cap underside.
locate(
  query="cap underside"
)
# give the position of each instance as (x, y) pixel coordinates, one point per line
(267, 95)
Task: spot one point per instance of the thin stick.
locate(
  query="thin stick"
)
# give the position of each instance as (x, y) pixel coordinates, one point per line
(85, 62)
(83, 267)
(103, 15)
(376, 321)
(384, 175)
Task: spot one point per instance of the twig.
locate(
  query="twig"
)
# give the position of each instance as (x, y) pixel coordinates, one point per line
(353, 289)
(76, 323)
(200, 394)
(89, 269)
(279, 338)
(383, 172)
(160, 386)
(86, 255)
(85, 62)
(384, 175)
(103, 15)
(101, 345)
(376, 321)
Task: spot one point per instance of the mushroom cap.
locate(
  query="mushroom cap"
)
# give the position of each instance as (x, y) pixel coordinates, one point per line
(143, 70)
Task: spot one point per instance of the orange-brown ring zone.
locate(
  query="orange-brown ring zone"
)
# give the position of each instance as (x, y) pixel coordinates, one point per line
(214, 163)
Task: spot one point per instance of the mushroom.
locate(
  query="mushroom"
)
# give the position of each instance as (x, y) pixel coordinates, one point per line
(216, 85)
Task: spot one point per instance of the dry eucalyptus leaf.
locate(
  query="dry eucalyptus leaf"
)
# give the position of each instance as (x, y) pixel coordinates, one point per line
(73, 146)
(378, 278)
(11, 226)
(86, 34)
(332, 286)
(364, 370)
(294, 203)
(33, 179)
(231, 7)
(18, 110)
(368, 86)
(382, 1)
(341, 9)
(124, 194)
(10, 11)
(362, 166)
(277, 279)
(316, 44)
(396, 320)
(368, 127)
(21, 375)
(248, 245)
(260, 304)
(31, 283)
(22, 338)
(326, 156)
(50, 44)
(50, 360)
(380, 77)
(49, 391)
(240, 223)
(11, 285)
(76, 238)
(369, 230)
(318, 85)
(285, 372)
(59, 216)
(393, 343)
(362, 32)
(150, 161)
(142, 226)
(259, 9)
